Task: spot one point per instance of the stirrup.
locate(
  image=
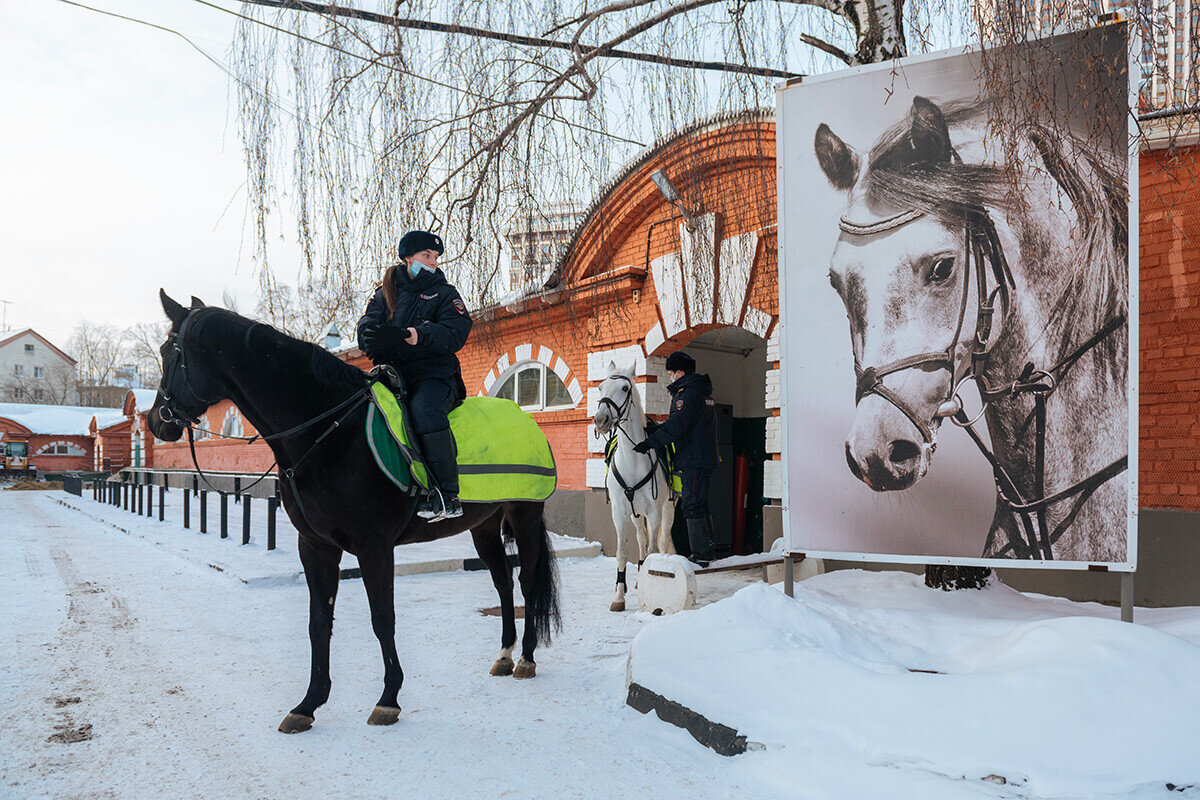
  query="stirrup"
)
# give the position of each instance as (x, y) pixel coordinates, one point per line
(435, 507)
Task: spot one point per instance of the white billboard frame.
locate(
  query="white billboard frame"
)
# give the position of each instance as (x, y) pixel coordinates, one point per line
(795, 548)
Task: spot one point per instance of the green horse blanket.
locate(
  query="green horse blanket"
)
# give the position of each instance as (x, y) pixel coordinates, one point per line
(502, 453)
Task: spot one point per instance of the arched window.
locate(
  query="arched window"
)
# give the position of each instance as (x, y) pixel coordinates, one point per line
(534, 387)
(232, 426)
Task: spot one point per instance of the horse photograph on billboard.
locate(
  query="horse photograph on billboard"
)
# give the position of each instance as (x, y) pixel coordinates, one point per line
(983, 279)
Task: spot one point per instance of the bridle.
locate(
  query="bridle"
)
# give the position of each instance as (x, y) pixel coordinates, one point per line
(619, 412)
(175, 362)
(983, 250)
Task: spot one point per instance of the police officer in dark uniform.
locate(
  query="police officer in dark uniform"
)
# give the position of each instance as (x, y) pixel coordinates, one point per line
(692, 427)
(416, 322)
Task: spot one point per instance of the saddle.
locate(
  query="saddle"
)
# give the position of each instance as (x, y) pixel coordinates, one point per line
(502, 453)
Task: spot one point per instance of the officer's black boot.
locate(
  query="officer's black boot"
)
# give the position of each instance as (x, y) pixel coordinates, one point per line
(441, 458)
(700, 537)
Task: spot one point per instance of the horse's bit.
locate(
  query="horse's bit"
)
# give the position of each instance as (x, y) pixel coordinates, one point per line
(983, 248)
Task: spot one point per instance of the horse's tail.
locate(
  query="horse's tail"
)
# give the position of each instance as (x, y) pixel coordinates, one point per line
(541, 604)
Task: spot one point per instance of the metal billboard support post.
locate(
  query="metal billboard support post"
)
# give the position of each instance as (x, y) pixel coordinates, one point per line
(789, 564)
(1126, 597)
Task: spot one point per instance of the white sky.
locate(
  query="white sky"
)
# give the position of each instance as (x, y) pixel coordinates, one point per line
(120, 164)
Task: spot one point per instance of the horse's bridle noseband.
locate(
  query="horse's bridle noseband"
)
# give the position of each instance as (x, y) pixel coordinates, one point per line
(983, 248)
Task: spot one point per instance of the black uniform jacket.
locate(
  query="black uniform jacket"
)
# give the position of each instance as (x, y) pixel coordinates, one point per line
(432, 306)
(692, 425)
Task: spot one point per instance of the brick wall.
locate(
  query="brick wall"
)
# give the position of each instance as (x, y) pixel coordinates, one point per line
(1169, 321)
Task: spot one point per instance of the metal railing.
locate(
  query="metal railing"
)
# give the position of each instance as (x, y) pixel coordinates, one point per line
(133, 490)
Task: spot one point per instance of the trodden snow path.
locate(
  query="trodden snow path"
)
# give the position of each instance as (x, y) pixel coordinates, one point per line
(128, 672)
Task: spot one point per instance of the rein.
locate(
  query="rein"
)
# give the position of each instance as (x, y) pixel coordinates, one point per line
(619, 412)
(983, 249)
(174, 414)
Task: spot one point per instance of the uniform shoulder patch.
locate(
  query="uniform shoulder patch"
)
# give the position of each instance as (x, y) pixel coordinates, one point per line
(433, 296)
(679, 403)
(460, 307)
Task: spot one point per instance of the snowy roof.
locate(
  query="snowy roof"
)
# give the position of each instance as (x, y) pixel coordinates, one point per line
(59, 419)
(144, 398)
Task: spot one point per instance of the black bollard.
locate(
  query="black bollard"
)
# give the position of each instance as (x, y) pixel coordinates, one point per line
(187, 509)
(141, 494)
(272, 507)
(162, 496)
(246, 520)
(204, 512)
(224, 516)
(150, 499)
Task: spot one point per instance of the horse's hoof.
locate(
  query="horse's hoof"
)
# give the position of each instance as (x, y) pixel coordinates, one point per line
(503, 666)
(295, 723)
(617, 605)
(525, 669)
(384, 715)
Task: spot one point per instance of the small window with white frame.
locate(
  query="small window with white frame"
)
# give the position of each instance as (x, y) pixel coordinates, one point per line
(535, 387)
(39, 372)
(18, 370)
(28, 349)
(38, 394)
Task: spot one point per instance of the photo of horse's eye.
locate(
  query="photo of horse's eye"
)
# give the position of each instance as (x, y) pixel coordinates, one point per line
(942, 269)
(624, 388)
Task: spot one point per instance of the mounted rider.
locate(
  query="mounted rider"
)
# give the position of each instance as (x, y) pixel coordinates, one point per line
(692, 428)
(416, 322)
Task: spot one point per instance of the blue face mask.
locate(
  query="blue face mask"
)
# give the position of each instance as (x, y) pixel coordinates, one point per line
(415, 268)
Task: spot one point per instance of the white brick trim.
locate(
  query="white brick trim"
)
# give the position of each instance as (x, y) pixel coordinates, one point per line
(595, 473)
(772, 480)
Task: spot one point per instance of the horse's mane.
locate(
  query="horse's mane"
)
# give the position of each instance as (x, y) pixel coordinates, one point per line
(327, 369)
(1096, 288)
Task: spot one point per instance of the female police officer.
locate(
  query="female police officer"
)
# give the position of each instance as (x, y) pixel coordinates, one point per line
(416, 322)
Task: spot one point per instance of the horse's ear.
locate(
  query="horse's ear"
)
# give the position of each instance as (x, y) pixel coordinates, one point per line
(838, 160)
(197, 302)
(631, 370)
(612, 368)
(929, 137)
(173, 310)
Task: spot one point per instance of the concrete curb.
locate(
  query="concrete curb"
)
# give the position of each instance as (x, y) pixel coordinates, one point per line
(292, 577)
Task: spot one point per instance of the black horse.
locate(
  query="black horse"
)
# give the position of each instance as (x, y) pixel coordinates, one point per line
(334, 493)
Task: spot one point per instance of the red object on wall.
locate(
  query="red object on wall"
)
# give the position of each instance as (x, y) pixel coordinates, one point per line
(741, 487)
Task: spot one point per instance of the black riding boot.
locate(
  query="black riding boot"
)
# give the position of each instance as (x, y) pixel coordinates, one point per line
(700, 537)
(441, 458)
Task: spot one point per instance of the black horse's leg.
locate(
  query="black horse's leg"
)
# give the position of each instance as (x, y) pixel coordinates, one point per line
(489, 544)
(320, 562)
(377, 563)
(539, 582)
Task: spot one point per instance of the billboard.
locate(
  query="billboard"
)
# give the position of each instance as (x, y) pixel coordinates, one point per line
(958, 307)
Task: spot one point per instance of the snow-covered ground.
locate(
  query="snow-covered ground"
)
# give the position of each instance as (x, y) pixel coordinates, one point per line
(183, 673)
(883, 687)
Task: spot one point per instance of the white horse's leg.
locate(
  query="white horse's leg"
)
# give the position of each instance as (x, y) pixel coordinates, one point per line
(620, 518)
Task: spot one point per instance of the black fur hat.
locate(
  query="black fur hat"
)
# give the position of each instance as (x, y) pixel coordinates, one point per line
(416, 241)
(680, 361)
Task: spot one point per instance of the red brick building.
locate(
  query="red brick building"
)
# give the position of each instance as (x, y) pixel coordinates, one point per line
(59, 437)
(636, 283)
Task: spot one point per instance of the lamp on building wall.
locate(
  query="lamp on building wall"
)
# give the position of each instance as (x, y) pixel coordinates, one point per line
(672, 195)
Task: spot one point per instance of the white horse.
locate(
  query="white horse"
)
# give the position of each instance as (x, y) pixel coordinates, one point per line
(637, 483)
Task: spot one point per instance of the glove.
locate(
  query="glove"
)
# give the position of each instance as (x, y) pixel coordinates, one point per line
(643, 446)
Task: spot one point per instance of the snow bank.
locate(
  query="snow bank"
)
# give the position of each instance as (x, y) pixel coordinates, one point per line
(1053, 696)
